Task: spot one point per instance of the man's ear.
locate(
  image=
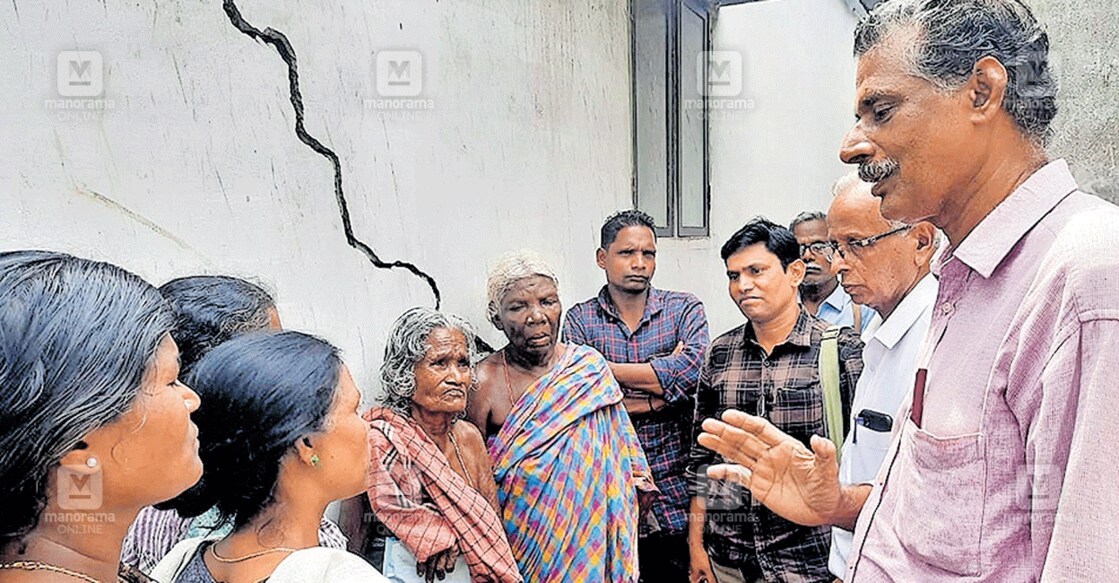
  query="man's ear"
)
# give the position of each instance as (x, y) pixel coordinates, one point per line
(600, 257)
(924, 237)
(496, 321)
(796, 272)
(986, 89)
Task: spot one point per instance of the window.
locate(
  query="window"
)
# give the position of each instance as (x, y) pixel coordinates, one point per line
(670, 135)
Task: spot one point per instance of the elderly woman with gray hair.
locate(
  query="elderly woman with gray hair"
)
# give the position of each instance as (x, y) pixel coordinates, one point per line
(566, 458)
(430, 481)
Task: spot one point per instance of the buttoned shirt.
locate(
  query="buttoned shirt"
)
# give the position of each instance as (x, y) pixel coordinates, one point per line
(783, 386)
(1009, 474)
(670, 318)
(839, 310)
(889, 367)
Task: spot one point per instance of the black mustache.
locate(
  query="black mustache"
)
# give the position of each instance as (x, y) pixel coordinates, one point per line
(877, 171)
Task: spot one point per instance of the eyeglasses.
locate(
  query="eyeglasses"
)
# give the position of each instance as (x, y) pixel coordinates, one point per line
(857, 246)
(819, 248)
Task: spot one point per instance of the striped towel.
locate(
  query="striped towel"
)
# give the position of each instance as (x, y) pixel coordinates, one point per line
(415, 493)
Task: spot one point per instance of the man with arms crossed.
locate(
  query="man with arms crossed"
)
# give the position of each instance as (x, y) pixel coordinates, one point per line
(654, 341)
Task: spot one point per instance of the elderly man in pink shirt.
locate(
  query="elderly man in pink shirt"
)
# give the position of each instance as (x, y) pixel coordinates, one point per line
(1001, 467)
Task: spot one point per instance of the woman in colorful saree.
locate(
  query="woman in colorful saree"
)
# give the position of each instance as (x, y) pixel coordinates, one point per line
(567, 462)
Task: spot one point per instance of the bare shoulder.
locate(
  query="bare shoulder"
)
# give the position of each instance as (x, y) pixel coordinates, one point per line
(479, 402)
(469, 435)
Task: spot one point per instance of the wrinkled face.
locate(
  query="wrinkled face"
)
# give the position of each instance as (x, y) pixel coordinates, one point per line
(817, 267)
(914, 141)
(529, 315)
(443, 375)
(342, 445)
(630, 260)
(878, 275)
(150, 454)
(758, 284)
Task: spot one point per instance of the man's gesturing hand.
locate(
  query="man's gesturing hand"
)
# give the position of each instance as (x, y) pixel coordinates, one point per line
(789, 479)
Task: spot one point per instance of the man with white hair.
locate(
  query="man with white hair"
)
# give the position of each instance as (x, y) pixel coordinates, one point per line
(885, 265)
(1001, 467)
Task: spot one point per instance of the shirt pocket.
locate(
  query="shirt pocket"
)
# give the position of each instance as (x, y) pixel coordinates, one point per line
(797, 406)
(941, 506)
(863, 455)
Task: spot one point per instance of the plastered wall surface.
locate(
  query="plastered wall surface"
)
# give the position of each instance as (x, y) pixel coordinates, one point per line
(1084, 37)
(192, 165)
(520, 137)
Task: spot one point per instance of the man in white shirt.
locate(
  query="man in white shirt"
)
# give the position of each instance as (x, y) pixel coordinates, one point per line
(884, 265)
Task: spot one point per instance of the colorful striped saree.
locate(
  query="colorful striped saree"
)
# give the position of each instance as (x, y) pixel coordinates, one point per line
(568, 466)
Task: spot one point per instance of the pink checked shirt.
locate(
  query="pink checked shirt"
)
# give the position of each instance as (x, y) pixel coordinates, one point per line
(1010, 475)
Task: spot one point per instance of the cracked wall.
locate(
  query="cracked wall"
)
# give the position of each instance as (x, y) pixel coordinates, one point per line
(192, 163)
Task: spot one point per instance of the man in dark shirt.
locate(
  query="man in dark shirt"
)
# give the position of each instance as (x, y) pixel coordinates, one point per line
(654, 341)
(769, 367)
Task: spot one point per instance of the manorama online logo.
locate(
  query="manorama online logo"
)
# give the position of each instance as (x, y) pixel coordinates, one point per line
(80, 496)
(78, 489)
(399, 80)
(80, 84)
(721, 88)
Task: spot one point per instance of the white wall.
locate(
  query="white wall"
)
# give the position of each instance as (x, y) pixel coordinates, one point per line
(197, 168)
(780, 156)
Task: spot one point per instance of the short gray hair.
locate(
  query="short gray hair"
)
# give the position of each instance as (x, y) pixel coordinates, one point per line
(851, 180)
(953, 36)
(407, 345)
(808, 217)
(511, 268)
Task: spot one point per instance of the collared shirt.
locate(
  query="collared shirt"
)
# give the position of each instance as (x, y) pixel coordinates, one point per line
(670, 318)
(784, 387)
(1009, 475)
(839, 310)
(889, 367)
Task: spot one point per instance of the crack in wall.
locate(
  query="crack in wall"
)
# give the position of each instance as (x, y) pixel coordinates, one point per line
(287, 53)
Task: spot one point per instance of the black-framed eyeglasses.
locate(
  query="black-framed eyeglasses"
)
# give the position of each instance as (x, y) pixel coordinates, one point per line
(855, 247)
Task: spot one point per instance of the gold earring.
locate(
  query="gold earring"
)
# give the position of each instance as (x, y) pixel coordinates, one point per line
(315, 459)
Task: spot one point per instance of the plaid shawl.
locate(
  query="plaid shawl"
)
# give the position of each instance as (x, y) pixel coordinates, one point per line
(568, 468)
(405, 466)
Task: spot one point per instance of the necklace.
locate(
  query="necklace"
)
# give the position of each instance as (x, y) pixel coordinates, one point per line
(37, 566)
(221, 559)
(458, 454)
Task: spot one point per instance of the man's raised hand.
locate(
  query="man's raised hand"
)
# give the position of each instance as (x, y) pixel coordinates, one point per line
(796, 483)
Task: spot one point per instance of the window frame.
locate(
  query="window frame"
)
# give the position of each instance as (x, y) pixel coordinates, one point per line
(672, 111)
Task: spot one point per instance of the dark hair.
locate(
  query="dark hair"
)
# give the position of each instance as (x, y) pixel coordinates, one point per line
(777, 239)
(76, 337)
(260, 394)
(955, 35)
(210, 310)
(618, 221)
